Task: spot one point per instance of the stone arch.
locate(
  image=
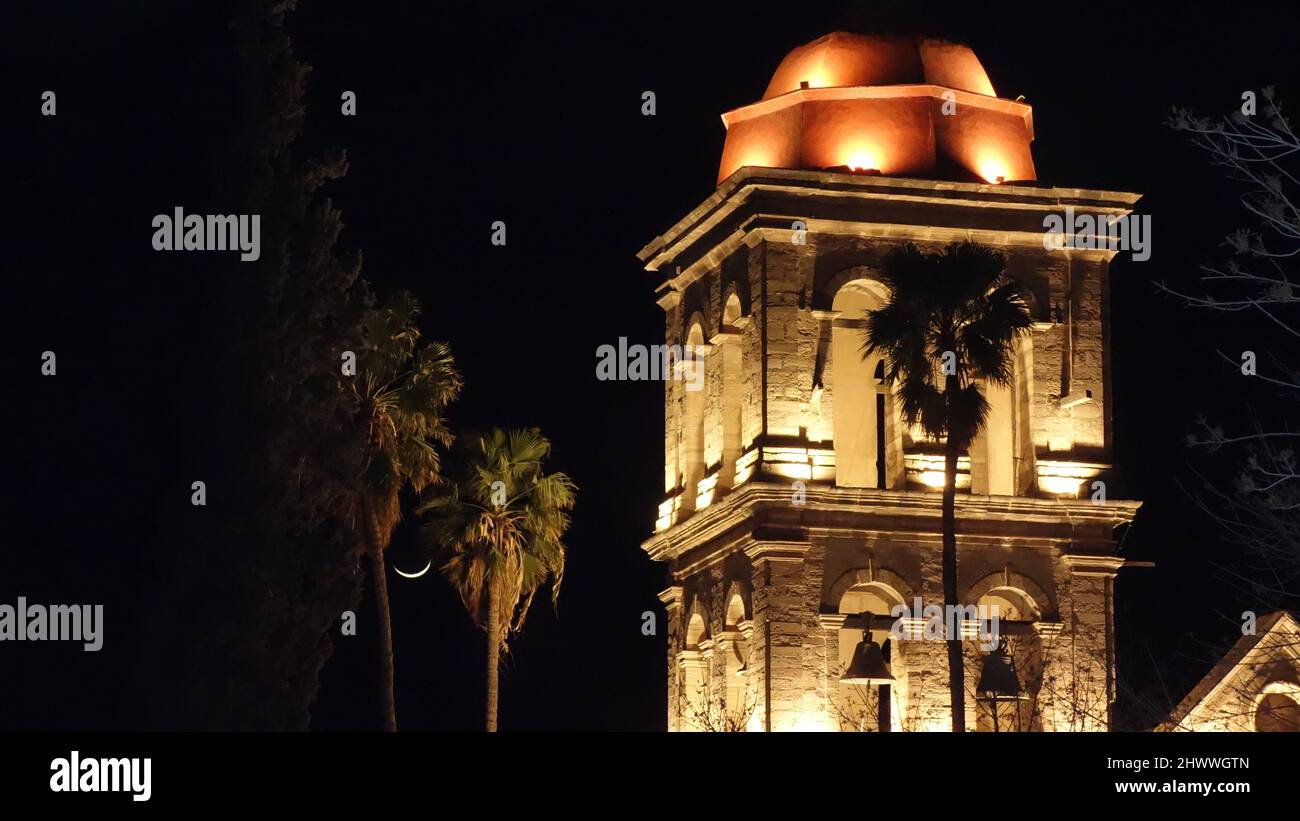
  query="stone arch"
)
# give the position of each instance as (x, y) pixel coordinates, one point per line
(862, 577)
(696, 630)
(731, 310)
(828, 287)
(735, 305)
(696, 316)
(1277, 708)
(735, 646)
(1009, 582)
(736, 281)
(860, 294)
(696, 319)
(1033, 302)
(739, 608)
(1285, 688)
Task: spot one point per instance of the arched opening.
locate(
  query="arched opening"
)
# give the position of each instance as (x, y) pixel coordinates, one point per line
(694, 676)
(692, 460)
(1009, 604)
(1014, 611)
(1278, 709)
(738, 704)
(861, 708)
(866, 426)
(731, 311)
(733, 388)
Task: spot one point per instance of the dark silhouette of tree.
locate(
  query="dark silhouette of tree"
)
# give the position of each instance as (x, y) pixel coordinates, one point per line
(405, 386)
(261, 576)
(950, 323)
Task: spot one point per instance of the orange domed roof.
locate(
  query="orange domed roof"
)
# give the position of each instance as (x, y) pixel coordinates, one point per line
(892, 105)
(841, 59)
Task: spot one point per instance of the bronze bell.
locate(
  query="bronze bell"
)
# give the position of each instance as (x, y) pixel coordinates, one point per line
(998, 676)
(868, 665)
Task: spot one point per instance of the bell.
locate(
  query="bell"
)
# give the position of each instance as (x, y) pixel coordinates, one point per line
(998, 676)
(868, 665)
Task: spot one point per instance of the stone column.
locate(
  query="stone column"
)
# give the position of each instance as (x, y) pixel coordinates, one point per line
(895, 470)
(831, 624)
(992, 454)
(925, 661)
(780, 627)
(1054, 658)
(672, 600)
(732, 384)
(1091, 631)
(854, 414)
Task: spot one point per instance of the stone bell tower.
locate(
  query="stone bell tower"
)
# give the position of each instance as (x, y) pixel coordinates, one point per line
(795, 498)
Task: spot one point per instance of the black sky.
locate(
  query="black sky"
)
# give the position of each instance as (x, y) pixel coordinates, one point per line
(530, 113)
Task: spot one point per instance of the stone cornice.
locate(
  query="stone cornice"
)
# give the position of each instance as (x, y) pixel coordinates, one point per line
(736, 514)
(1092, 564)
(903, 90)
(804, 186)
(672, 596)
(776, 551)
(831, 621)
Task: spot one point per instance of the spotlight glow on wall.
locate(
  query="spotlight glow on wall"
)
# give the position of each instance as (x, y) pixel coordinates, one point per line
(992, 168)
(862, 158)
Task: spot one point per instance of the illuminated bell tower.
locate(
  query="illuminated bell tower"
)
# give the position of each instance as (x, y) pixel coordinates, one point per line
(795, 499)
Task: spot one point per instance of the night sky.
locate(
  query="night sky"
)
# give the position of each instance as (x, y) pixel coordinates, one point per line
(529, 112)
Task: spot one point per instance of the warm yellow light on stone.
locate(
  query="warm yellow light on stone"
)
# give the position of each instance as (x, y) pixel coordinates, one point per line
(932, 478)
(745, 467)
(992, 167)
(707, 489)
(793, 471)
(1060, 485)
(1066, 478)
(862, 157)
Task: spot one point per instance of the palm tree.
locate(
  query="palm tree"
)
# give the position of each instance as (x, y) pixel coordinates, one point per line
(497, 530)
(405, 388)
(953, 316)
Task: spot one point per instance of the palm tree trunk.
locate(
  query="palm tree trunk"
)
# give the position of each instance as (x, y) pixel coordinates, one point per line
(380, 581)
(493, 651)
(956, 666)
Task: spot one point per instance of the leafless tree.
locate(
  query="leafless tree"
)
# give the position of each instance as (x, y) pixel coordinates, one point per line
(1261, 509)
(702, 712)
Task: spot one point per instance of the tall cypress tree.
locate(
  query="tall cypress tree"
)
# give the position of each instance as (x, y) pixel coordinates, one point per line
(259, 578)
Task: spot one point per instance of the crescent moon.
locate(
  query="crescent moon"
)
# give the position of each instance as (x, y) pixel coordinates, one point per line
(413, 575)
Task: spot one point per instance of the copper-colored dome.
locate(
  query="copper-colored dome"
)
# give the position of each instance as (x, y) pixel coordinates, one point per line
(895, 105)
(841, 59)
